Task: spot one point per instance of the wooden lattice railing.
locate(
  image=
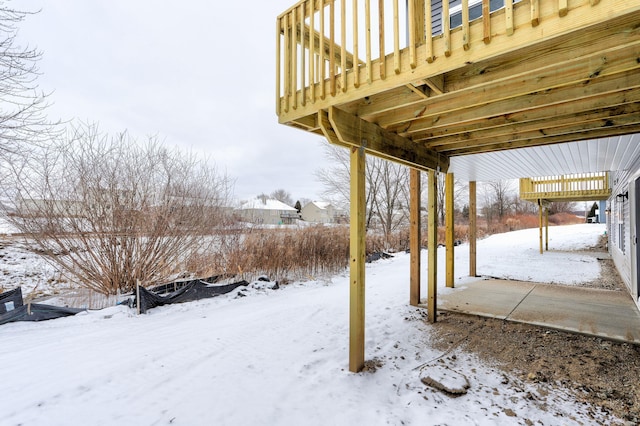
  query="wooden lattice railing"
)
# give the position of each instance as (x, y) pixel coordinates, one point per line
(577, 187)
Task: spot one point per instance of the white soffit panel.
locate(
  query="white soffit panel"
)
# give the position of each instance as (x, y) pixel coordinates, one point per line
(596, 155)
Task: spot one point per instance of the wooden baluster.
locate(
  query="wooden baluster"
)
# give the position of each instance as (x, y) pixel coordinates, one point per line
(446, 30)
(312, 52)
(563, 8)
(322, 61)
(428, 32)
(465, 24)
(412, 34)
(294, 59)
(356, 67)
(396, 38)
(343, 43)
(303, 64)
(367, 12)
(278, 59)
(535, 13)
(486, 21)
(508, 14)
(383, 64)
(287, 62)
(332, 48)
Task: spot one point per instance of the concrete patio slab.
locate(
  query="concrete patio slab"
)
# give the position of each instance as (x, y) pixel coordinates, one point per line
(603, 313)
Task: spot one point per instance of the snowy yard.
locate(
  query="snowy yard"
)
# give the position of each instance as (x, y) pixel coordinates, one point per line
(280, 357)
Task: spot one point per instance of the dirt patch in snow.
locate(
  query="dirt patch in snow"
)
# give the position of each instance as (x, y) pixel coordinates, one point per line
(600, 372)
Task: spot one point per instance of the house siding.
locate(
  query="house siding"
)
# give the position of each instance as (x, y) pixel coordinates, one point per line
(475, 12)
(620, 228)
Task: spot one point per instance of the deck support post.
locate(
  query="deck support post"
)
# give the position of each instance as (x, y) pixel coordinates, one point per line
(414, 236)
(540, 222)
(449, 219)
(432, 248)
(357, 260)
(472, 229)
(546, 228)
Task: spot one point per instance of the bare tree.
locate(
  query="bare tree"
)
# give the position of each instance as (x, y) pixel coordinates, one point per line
(282, 196)
(22, 119)
(524, 206)
(561, 207)
(387, 186)
(458, 193)
(498, 198)
(109, 211)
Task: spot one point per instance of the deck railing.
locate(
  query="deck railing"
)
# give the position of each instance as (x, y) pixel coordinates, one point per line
(583, 186)
(325, 48)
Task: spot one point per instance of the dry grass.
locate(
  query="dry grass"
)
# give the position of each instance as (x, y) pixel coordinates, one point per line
(299, 254)
(317, 251)
(291, 254)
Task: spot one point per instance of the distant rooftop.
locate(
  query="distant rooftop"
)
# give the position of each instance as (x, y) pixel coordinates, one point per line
(267, 204)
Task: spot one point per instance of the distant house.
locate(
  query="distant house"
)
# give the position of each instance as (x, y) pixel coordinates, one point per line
(268, 212)
(323, 212)
(37, 207)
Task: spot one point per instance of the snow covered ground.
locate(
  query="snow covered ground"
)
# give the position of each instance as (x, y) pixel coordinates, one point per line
(281, 357)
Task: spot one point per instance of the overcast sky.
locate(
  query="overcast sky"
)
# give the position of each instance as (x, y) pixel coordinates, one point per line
(197, 73)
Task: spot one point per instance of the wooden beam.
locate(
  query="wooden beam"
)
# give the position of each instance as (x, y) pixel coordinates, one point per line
(432, 248)
(436, 83)
(551, 101)
(551, 128)
(574, 111)
(414, 236)
(472, 229)
(422, 91)
(353, 131)
(604, 131)
(450, 228)
(575, 60)
(357, 260)
(561, 83)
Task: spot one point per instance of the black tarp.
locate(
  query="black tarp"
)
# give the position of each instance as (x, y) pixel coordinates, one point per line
(12, 308)
(10, 300)
(193, 290)
(377, 256)
(37, 312)
(177, 285)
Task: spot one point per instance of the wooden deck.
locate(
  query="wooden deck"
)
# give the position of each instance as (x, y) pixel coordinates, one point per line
(582, 187)
(399, 83)
(534, 72)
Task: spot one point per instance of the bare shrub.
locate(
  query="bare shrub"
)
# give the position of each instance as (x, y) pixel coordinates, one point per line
(110, 212)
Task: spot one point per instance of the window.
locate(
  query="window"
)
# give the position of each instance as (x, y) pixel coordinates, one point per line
(475, 10)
